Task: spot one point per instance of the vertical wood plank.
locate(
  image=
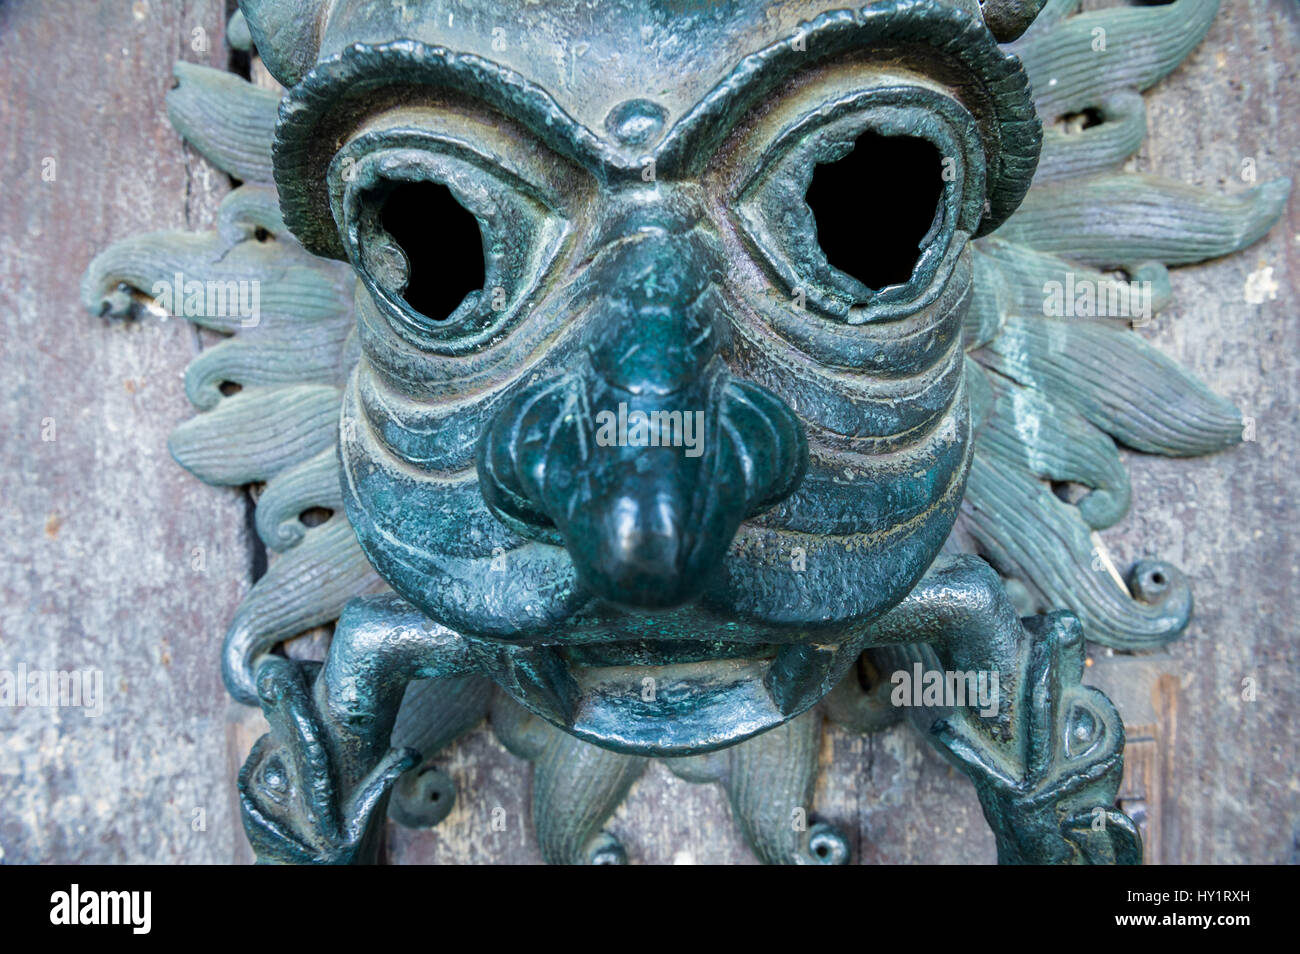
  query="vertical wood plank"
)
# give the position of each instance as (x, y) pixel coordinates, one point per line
(99, 529)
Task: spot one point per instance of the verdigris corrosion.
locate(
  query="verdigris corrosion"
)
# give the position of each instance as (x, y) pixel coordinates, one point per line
(673, 478)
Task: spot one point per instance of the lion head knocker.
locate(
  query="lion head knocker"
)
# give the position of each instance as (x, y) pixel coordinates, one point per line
(657, 426)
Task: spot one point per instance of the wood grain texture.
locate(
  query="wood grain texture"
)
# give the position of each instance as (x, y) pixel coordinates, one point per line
(1231, 791)
(97, 527)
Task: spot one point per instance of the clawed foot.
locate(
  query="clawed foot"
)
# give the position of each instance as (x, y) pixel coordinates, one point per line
(1047, 755)
(301, 802)
(1048, 786)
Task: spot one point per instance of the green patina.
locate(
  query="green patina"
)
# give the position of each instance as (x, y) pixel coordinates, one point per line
(871, 477)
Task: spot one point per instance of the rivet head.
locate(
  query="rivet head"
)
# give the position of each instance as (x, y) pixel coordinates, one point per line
(635, 122)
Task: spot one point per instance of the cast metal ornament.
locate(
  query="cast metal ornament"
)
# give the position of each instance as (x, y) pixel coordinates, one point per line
(867, 488)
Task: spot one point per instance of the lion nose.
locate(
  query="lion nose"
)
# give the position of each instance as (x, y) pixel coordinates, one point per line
(645, 457)
(642, 551)
(645, 525)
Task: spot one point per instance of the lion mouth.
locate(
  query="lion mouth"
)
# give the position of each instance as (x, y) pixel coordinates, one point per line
(773, 624)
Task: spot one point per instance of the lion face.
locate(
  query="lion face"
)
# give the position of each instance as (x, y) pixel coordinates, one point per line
(652, 367)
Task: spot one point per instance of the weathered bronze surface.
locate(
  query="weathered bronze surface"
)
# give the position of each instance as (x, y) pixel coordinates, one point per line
(670, 484)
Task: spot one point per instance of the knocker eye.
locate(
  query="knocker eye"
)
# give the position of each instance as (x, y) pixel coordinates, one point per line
(274, 779)
(878, 208)
(433, 259)
(1082, 731)
(448, 243)
(431, 250)
(860, 208)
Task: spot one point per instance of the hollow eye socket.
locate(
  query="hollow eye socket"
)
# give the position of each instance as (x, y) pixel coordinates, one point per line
(861, 209)
(448, 243)
(877, 207)
(435, 249)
